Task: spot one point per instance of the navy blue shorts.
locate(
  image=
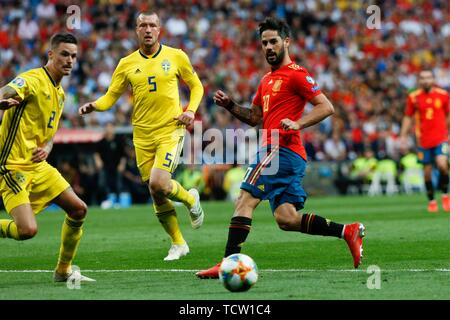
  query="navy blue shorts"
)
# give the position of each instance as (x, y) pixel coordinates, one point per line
(276, 176)
(427, 155)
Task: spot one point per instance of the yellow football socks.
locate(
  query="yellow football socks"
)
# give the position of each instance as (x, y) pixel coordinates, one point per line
(180, 194)
(168, 218)
(8, 229)
(71, 233)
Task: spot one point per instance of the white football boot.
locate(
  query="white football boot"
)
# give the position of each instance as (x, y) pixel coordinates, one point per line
(58, 277)
(196, 212)
(177, 251)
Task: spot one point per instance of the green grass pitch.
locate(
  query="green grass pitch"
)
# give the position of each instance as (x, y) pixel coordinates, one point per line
(123, 249)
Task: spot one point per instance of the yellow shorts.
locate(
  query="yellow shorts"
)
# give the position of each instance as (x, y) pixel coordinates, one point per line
(37, 187)
(163, 153)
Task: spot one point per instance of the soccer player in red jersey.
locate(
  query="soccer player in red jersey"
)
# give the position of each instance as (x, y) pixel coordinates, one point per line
(430, 107)
(279, 104)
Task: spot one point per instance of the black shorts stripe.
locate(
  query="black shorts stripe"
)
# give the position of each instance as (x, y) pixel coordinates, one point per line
(12, 133)
(14, 182)
(11, 183)
(3, 170)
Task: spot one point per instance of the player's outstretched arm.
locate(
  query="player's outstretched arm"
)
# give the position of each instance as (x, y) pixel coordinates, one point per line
(87, 108)
(252, 116)
(322, 109)
(8, 98)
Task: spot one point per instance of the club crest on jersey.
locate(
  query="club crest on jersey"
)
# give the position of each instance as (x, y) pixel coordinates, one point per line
(20, 82)
(310, 79)
(277, 86)
(20, 177)
(166, 66)
(315, 88)
(438, 103)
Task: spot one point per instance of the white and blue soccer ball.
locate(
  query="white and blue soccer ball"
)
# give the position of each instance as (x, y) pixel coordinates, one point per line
(238, 272)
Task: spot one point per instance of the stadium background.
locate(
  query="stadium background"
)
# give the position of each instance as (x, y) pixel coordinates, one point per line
(367, 74)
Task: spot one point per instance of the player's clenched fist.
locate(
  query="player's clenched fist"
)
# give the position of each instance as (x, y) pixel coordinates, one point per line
(288, 124)
(86, 108)
(222, 99)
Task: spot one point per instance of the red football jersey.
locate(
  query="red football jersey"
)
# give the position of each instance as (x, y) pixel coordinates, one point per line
(430, 110)
(282, 94)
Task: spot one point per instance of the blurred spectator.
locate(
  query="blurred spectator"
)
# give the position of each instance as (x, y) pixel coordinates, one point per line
(71, 174)
(334, 147)
(107, 158)
(130, 176)
(366, 73)
(191, 177)
(46, 10)
(232, 182)
(384, 178)
(362, 170)
(88, 178)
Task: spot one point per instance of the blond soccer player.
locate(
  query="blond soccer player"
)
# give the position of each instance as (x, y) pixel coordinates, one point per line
(34, 101)
(158, 121)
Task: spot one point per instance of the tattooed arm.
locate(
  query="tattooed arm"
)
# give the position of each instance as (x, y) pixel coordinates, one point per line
(251, 116)
(8, 98)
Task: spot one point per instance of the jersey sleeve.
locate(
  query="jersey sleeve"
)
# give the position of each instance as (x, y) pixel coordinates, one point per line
(190, 77)
(24, 84)
(409, 111)
(117, 87)
(304, 85)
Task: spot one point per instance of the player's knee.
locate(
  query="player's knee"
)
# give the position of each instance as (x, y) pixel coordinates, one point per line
(79, 212)
(27, 232)
(285, 223)
(159, 187)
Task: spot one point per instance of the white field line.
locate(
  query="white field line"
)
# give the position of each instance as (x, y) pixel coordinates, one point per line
(195, 270)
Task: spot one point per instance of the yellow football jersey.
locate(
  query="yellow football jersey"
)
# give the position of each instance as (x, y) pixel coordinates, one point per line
(34, 122)
(154, 83)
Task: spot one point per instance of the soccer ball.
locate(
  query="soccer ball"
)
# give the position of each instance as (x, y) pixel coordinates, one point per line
(238, 272)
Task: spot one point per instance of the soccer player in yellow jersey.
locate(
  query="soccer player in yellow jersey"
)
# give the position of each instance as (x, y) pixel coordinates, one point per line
(34, 101)
(158, 121)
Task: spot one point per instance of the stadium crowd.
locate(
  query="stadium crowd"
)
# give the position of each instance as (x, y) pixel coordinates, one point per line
(366, 73)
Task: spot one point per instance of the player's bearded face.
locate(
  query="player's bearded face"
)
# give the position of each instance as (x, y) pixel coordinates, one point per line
(273, 47)
(426, 80)
(275, 58)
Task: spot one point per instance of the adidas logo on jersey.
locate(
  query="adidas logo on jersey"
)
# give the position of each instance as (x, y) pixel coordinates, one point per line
(137, 71)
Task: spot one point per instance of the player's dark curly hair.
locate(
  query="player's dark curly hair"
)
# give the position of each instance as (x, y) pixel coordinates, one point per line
(275, 24)
(62, 38)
